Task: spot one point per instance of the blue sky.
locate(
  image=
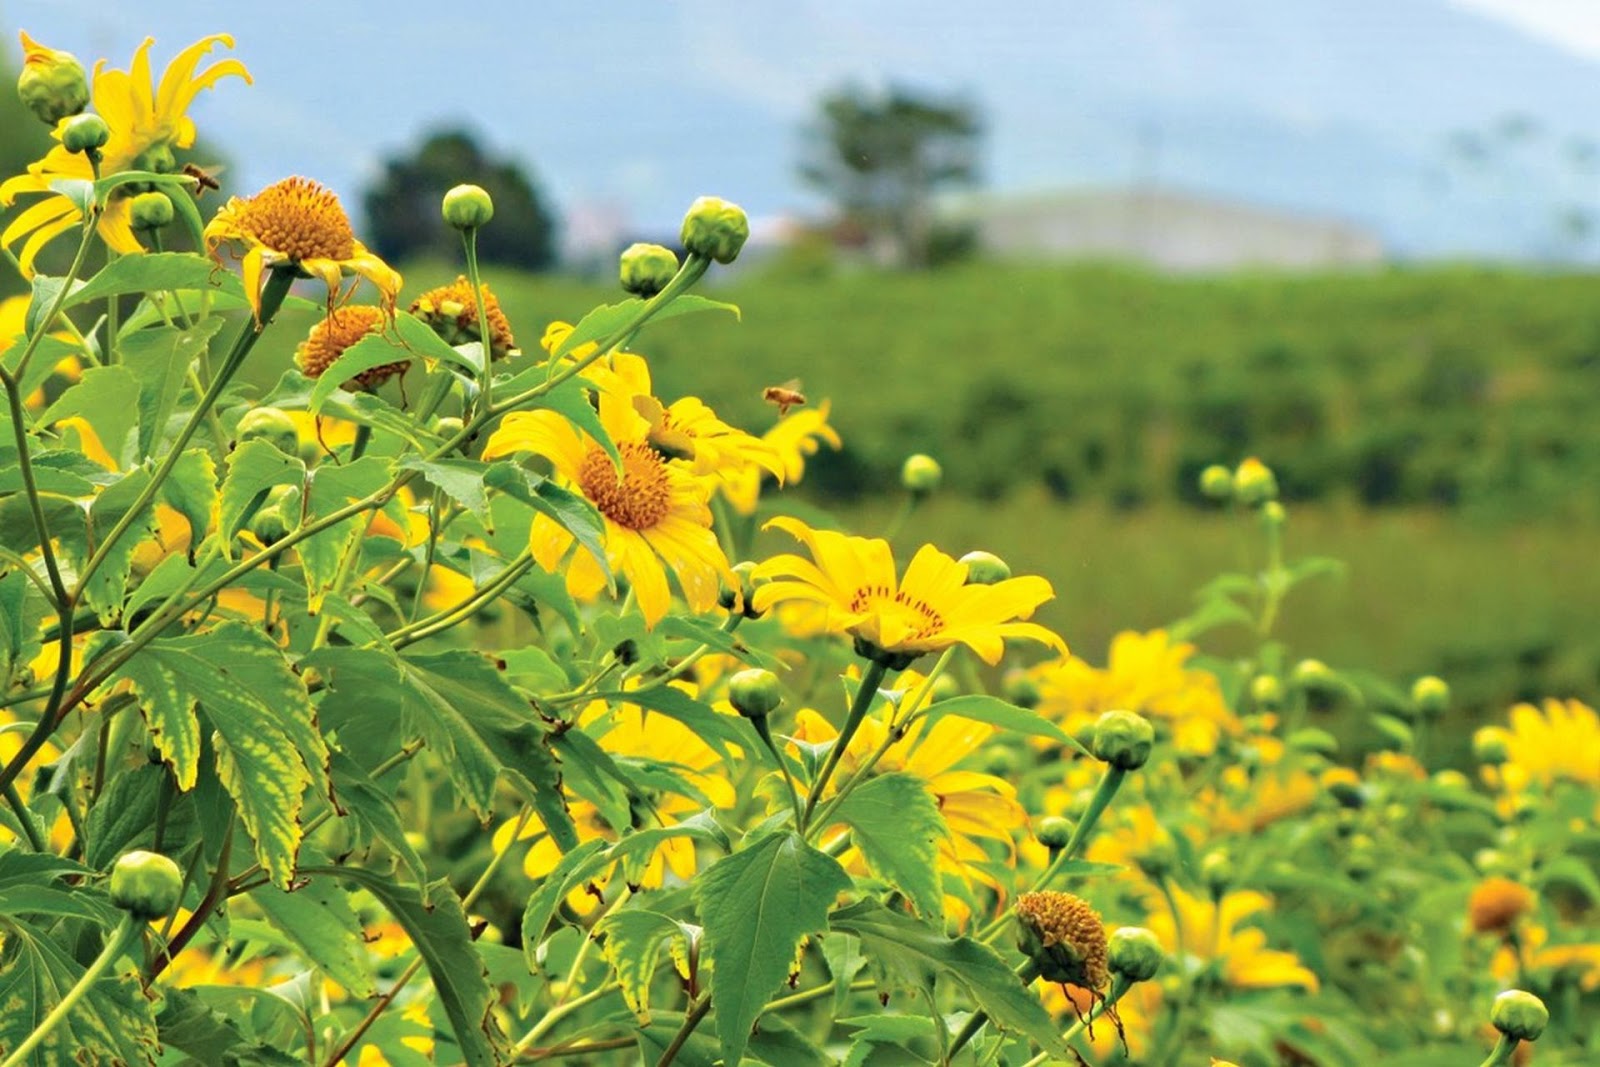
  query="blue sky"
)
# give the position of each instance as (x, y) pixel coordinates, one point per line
(628, 110)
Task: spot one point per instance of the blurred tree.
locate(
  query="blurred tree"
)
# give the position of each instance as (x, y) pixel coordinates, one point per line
(880, 158)
(402, 208)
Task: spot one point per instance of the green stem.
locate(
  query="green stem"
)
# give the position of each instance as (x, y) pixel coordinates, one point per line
(681, 1038)
(870, 680)
(55, 305)
(459, 613)
(1502, 1052)
(121, 939)
(548, 1021)
(764, 731)
(272, 296)
(1026, 973)
(29, 829)
(1104, 792)
(469, 240)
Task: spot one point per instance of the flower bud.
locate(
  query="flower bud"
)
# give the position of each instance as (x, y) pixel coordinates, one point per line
(146, 884)
(1430, 695)
(1134, 953)
(985, 568)
(1124, 739)
(1216, 871)
(1491, 745)
(1313, 675)
(1064, 938)
(53, 84)
(921, 474)
(271, 425)
(646, 269)
(1266, 692)
(448, 425)
(1312, 739)
(1519, 1015)
(1216, 483)
(273, 522)
(715, 229)
(754, 693)
(1021, 689)
(743, 597)
(150, 211)
(1254, 482)
(85, 133)
(1053, 832)
(467, 207)
(1272, 513)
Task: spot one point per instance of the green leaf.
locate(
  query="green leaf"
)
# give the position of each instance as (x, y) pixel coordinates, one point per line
(317, 917)
(896, 824)
(918, 953)
(372, 807)
(268, 746)
(755, 906)
(141, 274)
(609, 318)
(188, 1024)
(571, 512)
(721, 732)
(45, 289)
(332, 486)
(254, 467)
(191, 490)
(159, 358)
(633, 939)
(997, 712)
(571, 400)
(573, 869)
(21, 611)
(105, 399)
(113, 1023)
(438, 928)
(123, 813)
(106, 587)
(460, 479)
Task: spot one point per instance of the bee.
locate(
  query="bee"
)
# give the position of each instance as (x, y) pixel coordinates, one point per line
(203, 179)
(785, 396)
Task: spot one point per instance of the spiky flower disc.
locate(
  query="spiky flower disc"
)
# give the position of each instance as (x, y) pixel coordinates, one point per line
(1496, 904)
(453, 314)
(1064, 937)
(332, 335)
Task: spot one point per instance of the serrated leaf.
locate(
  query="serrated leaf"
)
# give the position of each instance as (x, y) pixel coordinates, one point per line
(191, 490)
(159, 359)
(755, 906)
(331, 487)
(918, 953)
(106, 587)
(268, 747)
(254, 468)
(633, 939)
(438, 928)
(112, 1023)
(105, 398)
(459, 479)
(374, 809)
(317, 917)
(571, 871)
(895, 823)
(123, 813)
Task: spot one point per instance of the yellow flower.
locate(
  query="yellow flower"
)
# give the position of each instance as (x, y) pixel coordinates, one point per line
(1562, 743)
(453, 314)
(655, 512)
(146, 121)
(1146, 673)
(974, 805)
(929, 609)
(299, 224)
(795, 439)
(634, 736)
(330, 336)
(1211, 932)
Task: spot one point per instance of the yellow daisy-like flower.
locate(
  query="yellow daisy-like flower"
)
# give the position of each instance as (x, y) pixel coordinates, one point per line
(795, 439)
(297, 224)
(974, 805)
(655, 512)
(453, 314)
(343, 327)
(1559, 743)
(147, 122)
(632, 735)
(928, 609)
(1212, 931)
(1145, 673)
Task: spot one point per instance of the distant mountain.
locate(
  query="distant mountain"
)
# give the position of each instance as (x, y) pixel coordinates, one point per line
(1344, 108)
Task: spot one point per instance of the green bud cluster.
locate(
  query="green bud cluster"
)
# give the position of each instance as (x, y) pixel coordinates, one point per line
(1124, 739)
(715, 228)
(146, 884)
(646, 269)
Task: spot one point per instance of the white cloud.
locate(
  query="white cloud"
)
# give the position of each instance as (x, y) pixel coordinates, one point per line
(1573, 24)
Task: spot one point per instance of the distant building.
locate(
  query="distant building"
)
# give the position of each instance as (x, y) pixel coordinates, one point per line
(1164, 228)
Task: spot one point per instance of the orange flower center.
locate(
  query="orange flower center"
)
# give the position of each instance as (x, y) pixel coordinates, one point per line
(300, 219)
(640, 497)
(920, 618)
(342, 328)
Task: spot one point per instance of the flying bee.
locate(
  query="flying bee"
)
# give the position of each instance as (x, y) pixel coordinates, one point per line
(785, 396)
(203, 179)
